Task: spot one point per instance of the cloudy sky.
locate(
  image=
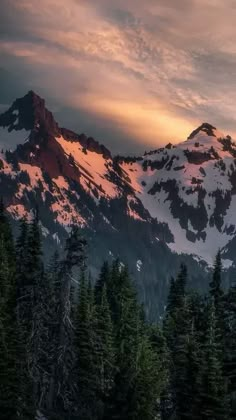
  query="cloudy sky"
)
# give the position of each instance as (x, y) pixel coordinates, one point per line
(134, 74)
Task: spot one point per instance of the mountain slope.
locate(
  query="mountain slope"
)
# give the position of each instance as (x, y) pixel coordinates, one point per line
(191, 187)
(172, 204)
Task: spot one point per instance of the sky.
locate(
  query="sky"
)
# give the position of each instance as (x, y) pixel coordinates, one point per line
(133, 74)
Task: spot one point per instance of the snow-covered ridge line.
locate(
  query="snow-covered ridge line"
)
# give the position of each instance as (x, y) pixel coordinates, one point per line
(188, 187)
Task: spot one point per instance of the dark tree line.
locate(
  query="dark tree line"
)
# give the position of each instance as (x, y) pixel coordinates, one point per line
(70, 349)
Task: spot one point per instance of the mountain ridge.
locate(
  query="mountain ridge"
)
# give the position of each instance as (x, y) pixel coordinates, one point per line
(171, 204)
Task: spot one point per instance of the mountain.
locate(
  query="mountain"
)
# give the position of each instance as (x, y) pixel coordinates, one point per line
(173, 204)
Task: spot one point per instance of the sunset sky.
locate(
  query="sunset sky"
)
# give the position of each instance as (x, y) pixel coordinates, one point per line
(134, 74)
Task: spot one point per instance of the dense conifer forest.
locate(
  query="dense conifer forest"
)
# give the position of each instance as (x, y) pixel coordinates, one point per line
(74, 349)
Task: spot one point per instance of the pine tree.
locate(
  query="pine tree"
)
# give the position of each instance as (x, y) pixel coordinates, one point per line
(217, 292)
(192, 379)
(215, 285)
(52, 340)
(86, 366)
(33, 308)
(104, 279)
(213, 402)
(8, 324)
(75, 258)
(34, 252)
(159, 346)
(180, 357)
(180, 287)
(8, 344)
(230, 346)
(177, 325)
(21, 247)
(219, 299)
(147, 383)
(113, 290)
(24, 324)
(176, 300)
(105, 348)
(6, 233)
(126, 328)
(75, 250)
(171, 299)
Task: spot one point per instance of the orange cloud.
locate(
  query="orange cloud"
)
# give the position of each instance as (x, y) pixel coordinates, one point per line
(149, 123)
(155, 69)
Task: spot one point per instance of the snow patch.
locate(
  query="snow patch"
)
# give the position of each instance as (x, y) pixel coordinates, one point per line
(56, 238)
(227, 263)
(139, 265)
(93, 167)
(44, 230)
(61, 182)
(18, 211)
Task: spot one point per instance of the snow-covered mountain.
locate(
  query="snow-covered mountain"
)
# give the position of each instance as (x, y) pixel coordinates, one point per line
(173, 203)
(190, 186)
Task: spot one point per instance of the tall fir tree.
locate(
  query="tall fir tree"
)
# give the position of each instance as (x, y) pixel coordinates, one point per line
(217, 293)
(215, 285)
(230, 346)
(86, 364)
(105, 347)
(34, 307)
(177, 327)
(75, 259)
(126, 329)
(103, 280)
(113, 290)
(144, 399)
(8, 338)
(24, 324)
(52, 340)
(213, 404)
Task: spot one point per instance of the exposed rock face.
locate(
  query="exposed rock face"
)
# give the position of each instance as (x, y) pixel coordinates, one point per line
(87, 142)
(206, 128)
(29, 113)
(172, 204)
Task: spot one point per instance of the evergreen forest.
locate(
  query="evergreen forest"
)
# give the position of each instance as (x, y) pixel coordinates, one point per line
(77, 348)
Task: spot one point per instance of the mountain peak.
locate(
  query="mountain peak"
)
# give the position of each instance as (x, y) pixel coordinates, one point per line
(29, 113)
(32, 94)
(206, 128)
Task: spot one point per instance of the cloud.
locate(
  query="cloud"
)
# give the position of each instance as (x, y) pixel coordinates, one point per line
(140, 72)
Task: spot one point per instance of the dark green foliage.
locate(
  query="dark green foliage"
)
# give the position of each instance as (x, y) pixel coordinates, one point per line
(75, 251)
(126, 329)
(103, 280)
(147, 384)
(8, 344)
(71, 350)
(105, 350)
(6, 233)
(195, 336)
(217, 293)
(230, 346)
(65, 356)
(53, 326)
(215, 285)
(212, 387)
(86, 365)
(177, 327)
(24, 324)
